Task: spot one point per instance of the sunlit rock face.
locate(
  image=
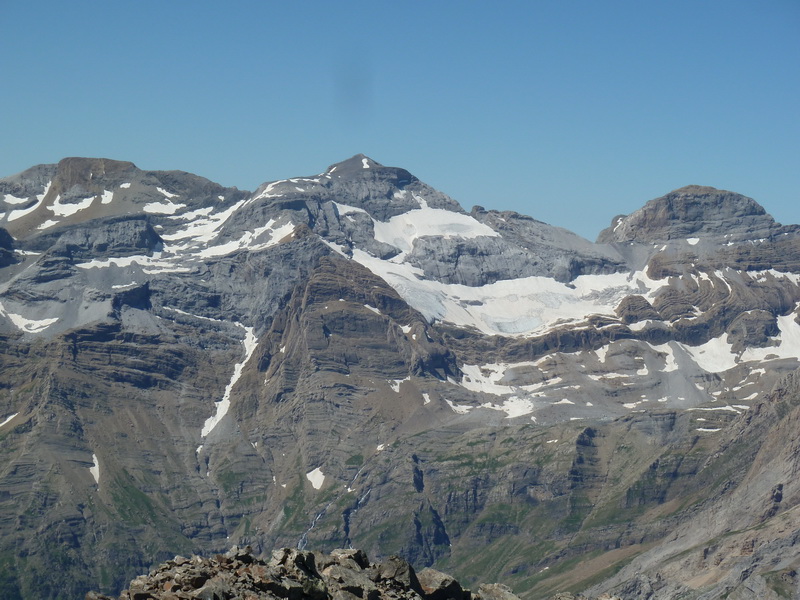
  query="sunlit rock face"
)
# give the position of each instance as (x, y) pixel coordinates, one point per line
(352, 359)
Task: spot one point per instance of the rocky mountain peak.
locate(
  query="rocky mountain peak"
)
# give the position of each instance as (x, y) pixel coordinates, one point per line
(81, 171)
(349, 359)
(693, 211)
(362, 166)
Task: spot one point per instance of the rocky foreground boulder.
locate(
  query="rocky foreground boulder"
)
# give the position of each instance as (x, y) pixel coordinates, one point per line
(303, 575)
(298, 575)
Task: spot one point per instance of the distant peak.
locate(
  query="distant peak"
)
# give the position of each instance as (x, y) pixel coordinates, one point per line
(354, 163)
(693, 210)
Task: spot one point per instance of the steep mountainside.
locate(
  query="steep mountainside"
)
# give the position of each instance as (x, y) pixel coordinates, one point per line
(351, 359)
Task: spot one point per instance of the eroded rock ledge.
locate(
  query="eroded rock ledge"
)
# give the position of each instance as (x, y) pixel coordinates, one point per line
(298, 575)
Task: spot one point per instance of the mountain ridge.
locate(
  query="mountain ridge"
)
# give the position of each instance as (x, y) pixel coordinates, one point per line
(351, 358)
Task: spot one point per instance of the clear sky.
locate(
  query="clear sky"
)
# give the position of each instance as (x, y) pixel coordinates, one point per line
(569, 111)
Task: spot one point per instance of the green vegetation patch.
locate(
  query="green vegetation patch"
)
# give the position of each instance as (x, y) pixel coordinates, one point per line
(355, 460)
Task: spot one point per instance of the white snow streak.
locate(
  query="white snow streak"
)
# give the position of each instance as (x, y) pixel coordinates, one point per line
(67, 210)
(8, 419)
(250, 342)
(25, 324)
(162, 208)
(17, 214)
(47, 224)
(166, 193)
(95, 469)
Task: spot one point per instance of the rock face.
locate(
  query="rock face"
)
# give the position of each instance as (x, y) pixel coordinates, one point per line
(695, 211)
(350, 359)
(295, 574)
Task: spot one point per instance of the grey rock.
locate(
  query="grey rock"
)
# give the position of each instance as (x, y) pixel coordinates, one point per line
(634, 309)
(694, 211)
(440, 586)
(6, 248)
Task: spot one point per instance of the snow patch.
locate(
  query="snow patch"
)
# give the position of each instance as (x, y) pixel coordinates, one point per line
(316, 477)
(95, 469)
(402, 230)
(346, 209)
(396, 384)
(670, 365)
(601, 353)
(166, 193)
(711, 408)
(513, 407)
(47, 224)
(459, 409)
(365, 163)
(9, 199)
(426, 399)
(108, 196)
(18, 214)
(692, 241)
(373, 309)
(25, 324)
(162, 208)
(148, 264)
(8, 419)
(67, 210)
(124, 186)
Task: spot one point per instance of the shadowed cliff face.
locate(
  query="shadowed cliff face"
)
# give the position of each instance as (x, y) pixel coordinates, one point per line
(351, 359)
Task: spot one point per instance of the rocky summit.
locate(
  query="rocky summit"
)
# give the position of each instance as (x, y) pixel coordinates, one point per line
(351, 359)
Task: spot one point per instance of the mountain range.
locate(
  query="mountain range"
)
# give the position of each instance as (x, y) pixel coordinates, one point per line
(351, 359)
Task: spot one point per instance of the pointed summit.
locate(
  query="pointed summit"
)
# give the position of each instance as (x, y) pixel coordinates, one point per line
(362, 165)
(693, 211)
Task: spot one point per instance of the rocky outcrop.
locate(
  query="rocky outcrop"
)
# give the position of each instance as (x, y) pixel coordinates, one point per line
(298, 575)
(6, 248)
(695, 211)
(549, 251)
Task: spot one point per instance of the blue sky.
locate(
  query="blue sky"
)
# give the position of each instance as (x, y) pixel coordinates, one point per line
(571, 112)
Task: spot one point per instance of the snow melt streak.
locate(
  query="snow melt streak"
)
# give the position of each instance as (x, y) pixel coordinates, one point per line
(250, 343)
(95, 469)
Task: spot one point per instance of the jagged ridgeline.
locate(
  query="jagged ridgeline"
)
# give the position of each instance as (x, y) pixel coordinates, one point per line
(351, 359)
